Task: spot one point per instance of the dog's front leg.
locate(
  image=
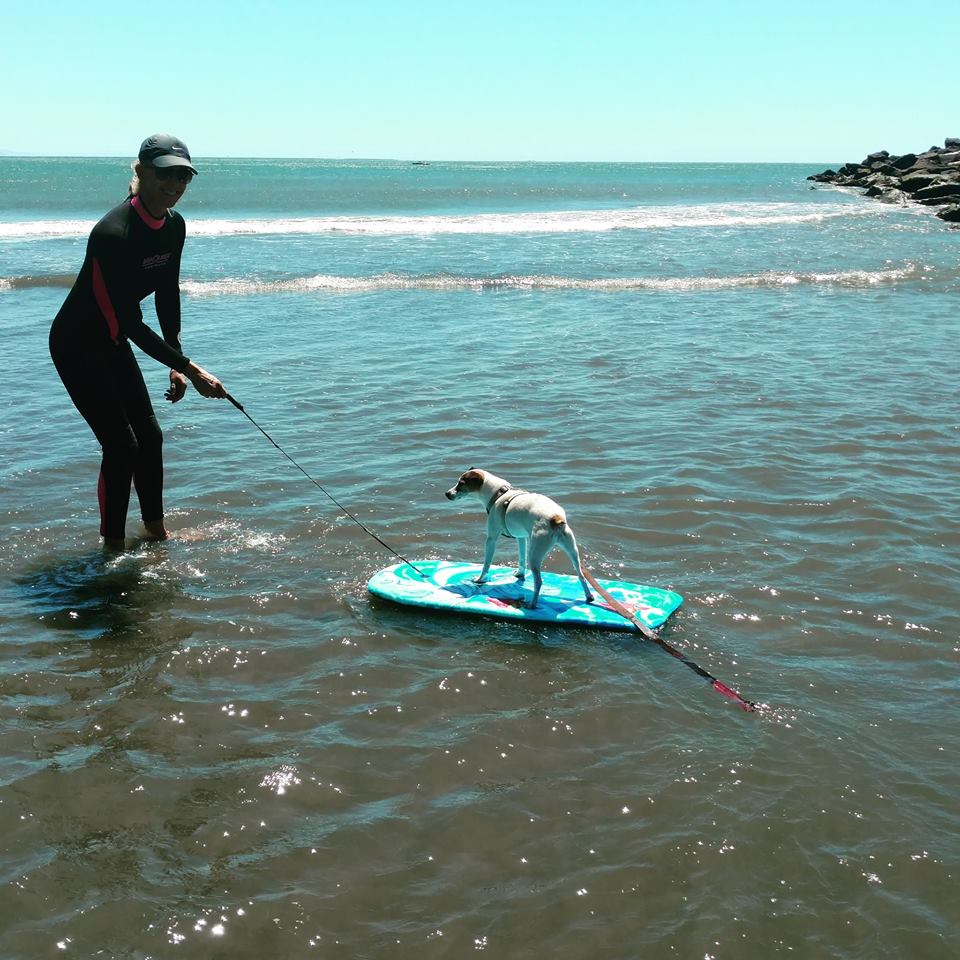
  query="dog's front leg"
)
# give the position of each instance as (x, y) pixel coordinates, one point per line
(521, 573)
(489, 548)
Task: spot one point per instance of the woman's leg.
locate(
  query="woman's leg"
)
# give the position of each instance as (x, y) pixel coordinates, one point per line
(148, 465)
(109, 392)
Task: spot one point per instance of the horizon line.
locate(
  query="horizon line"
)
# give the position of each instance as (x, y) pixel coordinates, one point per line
(17, 155)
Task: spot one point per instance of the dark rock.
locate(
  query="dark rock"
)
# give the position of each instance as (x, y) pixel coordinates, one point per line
(946, 189)
(878, 184)
(828, 176)
(928, 161)
(951, 214)
(905, 162)
(940, 201)
(872, 157)
(894, 196)
(917, 181)
(952, 143)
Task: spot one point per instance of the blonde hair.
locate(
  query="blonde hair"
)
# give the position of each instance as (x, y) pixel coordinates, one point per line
(134, 187)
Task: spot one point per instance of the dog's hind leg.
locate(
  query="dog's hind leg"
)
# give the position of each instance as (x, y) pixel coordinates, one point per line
(537, 584)
(539, 548)
(568, 543)
(521, 573)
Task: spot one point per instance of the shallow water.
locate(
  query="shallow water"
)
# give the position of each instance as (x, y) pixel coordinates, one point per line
(221, 746)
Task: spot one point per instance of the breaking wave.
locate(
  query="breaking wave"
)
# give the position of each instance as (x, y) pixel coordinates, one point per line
(329, 283)
(324, 283)
(569, 221)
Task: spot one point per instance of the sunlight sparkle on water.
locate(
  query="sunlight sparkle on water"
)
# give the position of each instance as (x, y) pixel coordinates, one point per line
(281, 778)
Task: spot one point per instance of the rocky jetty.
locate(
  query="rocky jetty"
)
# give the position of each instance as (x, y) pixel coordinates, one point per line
(931, 178)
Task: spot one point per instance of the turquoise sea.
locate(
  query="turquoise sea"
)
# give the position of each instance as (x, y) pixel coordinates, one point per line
(739, 387)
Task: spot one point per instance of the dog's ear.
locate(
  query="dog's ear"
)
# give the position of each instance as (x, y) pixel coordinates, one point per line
(472, 479)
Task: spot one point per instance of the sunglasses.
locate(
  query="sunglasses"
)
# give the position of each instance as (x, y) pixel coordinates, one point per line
(173, 173)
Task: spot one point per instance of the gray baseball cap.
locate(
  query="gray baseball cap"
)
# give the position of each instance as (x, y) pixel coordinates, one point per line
(161, 150)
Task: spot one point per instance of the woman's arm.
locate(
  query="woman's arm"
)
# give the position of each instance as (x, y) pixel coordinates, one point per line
(167, 297)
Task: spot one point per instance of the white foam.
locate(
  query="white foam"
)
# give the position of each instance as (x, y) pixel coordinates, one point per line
(326, 283)
(45, 229)
(586, 221)
(567, 221)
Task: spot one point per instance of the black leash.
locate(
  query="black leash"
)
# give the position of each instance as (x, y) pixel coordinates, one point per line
(326, 493)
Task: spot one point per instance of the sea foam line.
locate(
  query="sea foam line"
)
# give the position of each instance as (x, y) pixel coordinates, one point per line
(567, 221)
(331, 283)
(325, 283)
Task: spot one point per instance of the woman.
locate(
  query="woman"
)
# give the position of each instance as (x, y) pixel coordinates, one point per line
(132, 252)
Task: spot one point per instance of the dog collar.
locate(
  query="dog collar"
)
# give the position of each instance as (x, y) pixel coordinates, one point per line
(497, 495)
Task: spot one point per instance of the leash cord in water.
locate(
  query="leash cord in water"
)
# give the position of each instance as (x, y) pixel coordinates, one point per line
(615, 604)
(325, 492)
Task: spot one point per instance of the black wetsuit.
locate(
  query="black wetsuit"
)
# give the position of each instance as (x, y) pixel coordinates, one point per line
(130, 254)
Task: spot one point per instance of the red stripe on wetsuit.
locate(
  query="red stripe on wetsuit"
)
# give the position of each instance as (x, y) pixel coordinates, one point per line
(100, 292)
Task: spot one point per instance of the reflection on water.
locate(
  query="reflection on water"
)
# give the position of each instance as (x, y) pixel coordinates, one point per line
(101, 596)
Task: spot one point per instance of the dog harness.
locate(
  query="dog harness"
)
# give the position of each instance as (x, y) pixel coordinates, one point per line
(500, 501)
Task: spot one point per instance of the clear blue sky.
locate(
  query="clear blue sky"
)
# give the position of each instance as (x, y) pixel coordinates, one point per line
(500, 79)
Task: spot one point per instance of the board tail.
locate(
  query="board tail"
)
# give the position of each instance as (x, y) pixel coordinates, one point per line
(616, 605)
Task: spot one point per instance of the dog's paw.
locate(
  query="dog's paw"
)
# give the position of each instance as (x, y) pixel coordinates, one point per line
(520, 576)
(479, 580)
(590, 598)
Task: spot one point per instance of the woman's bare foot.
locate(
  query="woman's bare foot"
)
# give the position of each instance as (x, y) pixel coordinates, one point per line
(113, 545)
(155, 530)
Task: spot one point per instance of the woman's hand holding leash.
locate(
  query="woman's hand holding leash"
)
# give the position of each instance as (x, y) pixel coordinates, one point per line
(206, 384)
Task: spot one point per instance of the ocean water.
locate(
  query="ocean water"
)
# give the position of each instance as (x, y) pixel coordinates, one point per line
(739, 387)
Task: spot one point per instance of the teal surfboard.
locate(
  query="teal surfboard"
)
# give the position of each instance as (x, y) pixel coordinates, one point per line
(448, 585)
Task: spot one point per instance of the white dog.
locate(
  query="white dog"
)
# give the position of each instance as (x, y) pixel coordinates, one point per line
(523, 516)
